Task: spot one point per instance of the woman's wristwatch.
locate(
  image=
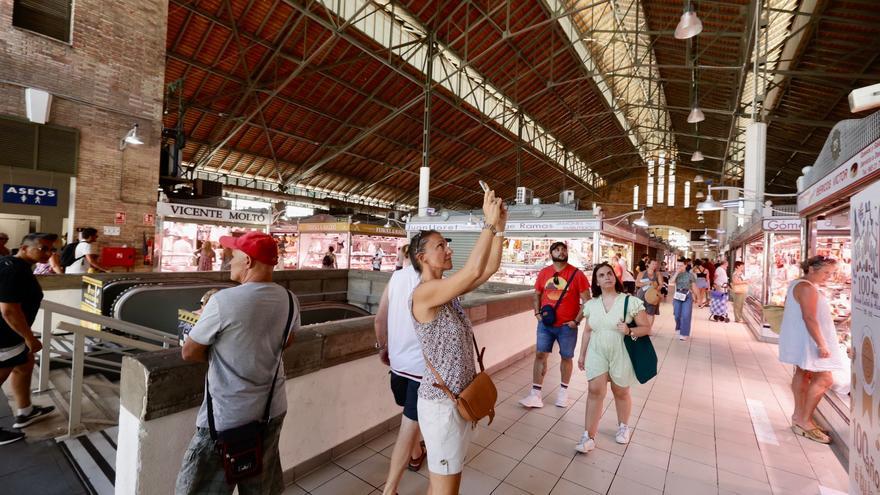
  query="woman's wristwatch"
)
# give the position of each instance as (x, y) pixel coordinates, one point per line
(491, 228)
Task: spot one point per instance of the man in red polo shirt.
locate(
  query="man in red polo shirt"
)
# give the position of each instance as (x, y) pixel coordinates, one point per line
(557, 280)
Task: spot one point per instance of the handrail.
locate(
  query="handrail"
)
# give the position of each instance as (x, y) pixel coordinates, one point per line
(78, 356)
(116, 324)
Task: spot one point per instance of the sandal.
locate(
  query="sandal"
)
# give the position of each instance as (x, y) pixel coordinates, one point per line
(816, 434)
(416, 464)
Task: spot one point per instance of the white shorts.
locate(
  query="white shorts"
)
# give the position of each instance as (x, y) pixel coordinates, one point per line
(447, 435)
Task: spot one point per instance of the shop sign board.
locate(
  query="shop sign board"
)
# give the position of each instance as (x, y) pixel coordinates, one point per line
(325, 227)
(366, 228)
(782, 224)
(196, 212)
(30, 195)
(856, 170)
(515, 226)
(864, 458)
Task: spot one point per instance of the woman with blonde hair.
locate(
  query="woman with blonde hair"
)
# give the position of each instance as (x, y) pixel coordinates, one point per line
(808, 340)
(206, 257)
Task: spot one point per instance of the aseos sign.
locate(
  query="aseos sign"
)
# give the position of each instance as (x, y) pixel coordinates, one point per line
(782, 224)
(211, 214)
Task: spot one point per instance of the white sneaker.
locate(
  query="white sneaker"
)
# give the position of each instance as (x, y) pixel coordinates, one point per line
(562, 397)
(682, 338)
(586, 444)
(533, 399)
(623, 432)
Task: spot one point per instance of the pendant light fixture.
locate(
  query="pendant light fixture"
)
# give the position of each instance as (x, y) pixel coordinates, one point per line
(696, 114)
(697, 156)
(689, 25)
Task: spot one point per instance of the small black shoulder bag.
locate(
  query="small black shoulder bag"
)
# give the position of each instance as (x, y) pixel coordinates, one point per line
(548, 312)
(241, 448)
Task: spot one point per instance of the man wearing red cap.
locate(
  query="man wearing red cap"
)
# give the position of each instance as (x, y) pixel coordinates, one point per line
(241, 334)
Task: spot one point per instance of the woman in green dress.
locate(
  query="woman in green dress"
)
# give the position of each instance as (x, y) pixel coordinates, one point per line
(603, 354)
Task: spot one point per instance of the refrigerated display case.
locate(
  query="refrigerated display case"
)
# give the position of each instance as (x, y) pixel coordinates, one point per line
(523, 257)
(287, 237)
(354, 243)
(754, 267)
(181, 229)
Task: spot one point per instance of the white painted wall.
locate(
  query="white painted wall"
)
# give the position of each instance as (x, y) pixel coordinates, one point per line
(325, 408)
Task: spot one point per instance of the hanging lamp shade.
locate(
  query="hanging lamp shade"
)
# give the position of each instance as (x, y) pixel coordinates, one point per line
(697, 156)
(698, 179)
(696, 115)
(689, 25)
(700, 195)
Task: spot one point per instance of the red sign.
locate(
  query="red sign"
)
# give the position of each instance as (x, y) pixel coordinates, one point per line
(120, 218)
(149, 219)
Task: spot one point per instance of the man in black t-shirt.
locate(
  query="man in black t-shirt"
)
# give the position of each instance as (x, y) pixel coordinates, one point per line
(20, 298)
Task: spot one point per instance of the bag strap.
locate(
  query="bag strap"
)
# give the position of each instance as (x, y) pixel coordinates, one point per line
(564, 290)
(442, 384)
(210, 402)
(625, 308)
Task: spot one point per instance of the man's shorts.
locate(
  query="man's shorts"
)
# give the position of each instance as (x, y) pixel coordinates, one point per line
(202, 470)
(17, 360)
(565, 335)
(406, 395)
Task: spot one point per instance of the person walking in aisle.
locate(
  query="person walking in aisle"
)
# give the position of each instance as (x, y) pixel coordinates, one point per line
(649, 279)
(563, 287)
(702, 283)
(603, 354)
(683, 299)
(399, 348)
(447, 339)
(739, 289)
(808, 340)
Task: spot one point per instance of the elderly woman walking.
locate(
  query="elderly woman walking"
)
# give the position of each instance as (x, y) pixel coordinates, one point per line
(808, 340)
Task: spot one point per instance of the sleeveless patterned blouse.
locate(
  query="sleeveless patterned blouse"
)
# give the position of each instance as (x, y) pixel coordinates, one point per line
(447, 342)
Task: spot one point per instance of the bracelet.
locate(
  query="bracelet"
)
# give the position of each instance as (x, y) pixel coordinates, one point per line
(491, 228)
(499, 234)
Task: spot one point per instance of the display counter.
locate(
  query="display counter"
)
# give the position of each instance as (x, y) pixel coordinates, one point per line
(770, 250)
(181, 230)
(355, 244)
(287, 237)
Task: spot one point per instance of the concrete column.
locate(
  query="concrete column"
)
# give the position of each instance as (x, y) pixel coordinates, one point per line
(755, 166)
(424, 186)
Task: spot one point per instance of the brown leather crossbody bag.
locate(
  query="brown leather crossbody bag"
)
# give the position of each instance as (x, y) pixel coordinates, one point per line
(477, 400)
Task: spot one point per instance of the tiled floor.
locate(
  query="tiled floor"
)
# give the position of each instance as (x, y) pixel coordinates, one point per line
(715, 420)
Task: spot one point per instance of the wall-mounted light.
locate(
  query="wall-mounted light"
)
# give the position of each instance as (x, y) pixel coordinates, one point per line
(130, 138)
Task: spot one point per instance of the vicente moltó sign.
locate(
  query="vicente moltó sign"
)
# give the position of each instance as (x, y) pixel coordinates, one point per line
(207, 213)
(30, 195)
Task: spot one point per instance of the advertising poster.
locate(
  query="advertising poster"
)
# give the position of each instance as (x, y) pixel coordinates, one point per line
(864, 457)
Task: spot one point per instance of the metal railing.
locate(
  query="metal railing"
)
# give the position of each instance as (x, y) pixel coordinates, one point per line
(136, 338)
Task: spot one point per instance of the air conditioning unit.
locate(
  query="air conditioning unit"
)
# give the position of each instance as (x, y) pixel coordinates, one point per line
(865, 98)
(566, 197)
(524, 195)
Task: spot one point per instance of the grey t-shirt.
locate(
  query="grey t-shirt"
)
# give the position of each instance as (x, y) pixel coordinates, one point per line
(244, 326)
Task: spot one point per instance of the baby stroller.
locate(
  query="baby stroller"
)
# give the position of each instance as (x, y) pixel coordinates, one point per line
(718, 304)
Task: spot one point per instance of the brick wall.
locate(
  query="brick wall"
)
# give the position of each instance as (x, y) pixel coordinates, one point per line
(660, 214)
(111, 76)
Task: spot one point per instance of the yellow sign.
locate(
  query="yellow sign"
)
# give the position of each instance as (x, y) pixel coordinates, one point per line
(324, 227)
(91, 300)
(366, 228)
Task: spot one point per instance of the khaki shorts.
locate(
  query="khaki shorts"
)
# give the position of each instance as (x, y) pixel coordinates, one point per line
(447, 435)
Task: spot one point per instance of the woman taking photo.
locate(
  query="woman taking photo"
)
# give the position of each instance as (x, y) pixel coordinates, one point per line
(739, 288)
(808, 340)
(683, 299)
(702, 284)
(446, 336)
(603, 353)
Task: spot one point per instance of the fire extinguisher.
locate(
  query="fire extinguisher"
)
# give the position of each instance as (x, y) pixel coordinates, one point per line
(148, 250)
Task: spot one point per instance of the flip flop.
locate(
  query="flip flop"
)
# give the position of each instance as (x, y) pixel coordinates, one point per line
(416, 464)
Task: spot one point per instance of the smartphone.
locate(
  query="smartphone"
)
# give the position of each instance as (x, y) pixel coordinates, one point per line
(484, 185)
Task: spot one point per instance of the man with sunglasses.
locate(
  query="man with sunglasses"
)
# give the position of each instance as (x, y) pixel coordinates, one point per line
(562, 287)
(20, 298)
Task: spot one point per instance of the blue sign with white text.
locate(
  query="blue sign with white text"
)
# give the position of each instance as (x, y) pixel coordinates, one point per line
(30, 195)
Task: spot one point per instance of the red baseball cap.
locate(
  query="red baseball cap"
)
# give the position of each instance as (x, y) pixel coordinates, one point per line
(259, 246)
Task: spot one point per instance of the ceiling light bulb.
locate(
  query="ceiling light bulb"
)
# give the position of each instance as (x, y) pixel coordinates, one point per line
(689, 26)
(697, 156)
(696, 115)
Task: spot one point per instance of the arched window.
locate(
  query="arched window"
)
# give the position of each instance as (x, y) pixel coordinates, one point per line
(636, 197)
(687, 194)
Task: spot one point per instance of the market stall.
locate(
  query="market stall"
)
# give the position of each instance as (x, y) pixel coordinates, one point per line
(181, 230)
(530, 231)
(287, 237)
(848, 165)
(355, 244)
(770, 250)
